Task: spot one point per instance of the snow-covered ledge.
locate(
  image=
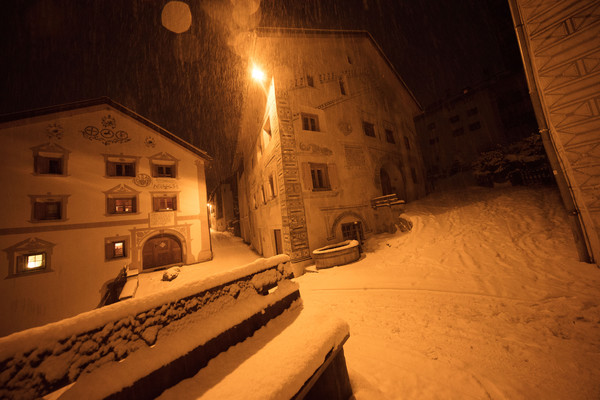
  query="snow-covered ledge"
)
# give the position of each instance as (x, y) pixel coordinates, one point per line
(40, 360)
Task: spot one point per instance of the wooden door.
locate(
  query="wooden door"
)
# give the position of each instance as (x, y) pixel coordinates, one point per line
(161, 250)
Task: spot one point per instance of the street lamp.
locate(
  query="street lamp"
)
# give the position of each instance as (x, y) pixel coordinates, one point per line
(259, 76)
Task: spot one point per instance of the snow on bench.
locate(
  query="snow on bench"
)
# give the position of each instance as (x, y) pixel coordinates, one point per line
(40, 360)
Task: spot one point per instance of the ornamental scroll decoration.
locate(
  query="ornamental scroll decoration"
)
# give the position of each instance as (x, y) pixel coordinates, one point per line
(315, 149)
(142, 180)
(108, 134)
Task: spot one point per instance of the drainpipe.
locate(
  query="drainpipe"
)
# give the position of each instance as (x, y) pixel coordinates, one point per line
(564, 186)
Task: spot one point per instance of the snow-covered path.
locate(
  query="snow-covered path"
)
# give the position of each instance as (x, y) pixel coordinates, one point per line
(484, 299)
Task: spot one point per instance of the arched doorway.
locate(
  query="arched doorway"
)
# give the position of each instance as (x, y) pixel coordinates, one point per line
(386, 182)
(161, 250)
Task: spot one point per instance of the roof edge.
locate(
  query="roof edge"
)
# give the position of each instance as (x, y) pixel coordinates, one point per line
(107, 101)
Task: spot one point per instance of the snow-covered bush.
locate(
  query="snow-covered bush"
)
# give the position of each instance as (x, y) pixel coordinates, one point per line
(509, 163)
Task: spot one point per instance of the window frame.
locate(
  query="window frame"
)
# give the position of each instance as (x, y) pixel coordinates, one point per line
(158, 197)
(369, 127)
(47, 152)
(18, 254)
(121, 161)
(312, 122)
(389, 134)
(121, 192)
(110, 253)
(164, 160)
(322, 180)
(36, 200)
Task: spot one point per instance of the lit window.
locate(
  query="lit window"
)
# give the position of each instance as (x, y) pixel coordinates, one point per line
(310, 122)
(35, 261)
(389, 136)
(121, 205)
(164, 203)
(119, 249)
(115, 247)
(369, 129)
(319, 176)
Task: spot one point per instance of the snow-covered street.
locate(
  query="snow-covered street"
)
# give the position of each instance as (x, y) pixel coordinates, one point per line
(484, 298)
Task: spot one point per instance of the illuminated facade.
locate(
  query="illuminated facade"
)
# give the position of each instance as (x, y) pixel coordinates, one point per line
(93, 187)
(561, 54)
(329, 130)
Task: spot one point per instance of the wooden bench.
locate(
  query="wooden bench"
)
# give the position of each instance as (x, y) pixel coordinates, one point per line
(246, 326)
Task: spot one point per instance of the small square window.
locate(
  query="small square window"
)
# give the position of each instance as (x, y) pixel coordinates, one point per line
(310, 81)
(458, 132)
(310, 122)
(474, 126)
(34, 261)
(115, 247)
(319, 176)
(389, 136)
(118, 249)
(164, 203)
(369, 129)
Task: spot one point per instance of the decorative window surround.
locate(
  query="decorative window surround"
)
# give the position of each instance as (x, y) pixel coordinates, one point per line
(122, 200)
(120, 166)
(48, 207)
(164, 165)
(50, 159)
(29, 257)
(164, 201)
(310, 122)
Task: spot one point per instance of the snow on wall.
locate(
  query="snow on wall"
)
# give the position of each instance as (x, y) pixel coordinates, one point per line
(42, 359)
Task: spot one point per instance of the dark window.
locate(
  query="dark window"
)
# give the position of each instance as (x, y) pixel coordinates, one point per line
(319, 176)
(272, 186)
(432, 140)
(454, 118)
(47, 210)
(458, 132)
(342, 86)
(120, 168)
(262, 193)
(389, 136)
(472, 111)
(49, 165)
(310, 122)
(310, 81)
(406, 142)
(166, 203)
(163, 171)
(474, 126)
(369, 129)
(353, 231)
(121, 205)
(413, 173)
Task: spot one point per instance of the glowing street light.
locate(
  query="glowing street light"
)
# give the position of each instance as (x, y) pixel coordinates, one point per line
(258, 74)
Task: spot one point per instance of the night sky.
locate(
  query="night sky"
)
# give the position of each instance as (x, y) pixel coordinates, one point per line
(60, 51)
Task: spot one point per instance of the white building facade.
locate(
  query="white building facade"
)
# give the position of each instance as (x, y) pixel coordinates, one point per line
(93, 188)
(328, 130)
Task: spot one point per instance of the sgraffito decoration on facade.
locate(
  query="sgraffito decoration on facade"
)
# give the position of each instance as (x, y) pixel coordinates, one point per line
(315, 149)
(150, 142)
(142, 180)
(345, 127)
(566, 63)
(295, 235)
(355, 156)
(108, 134)
(165, 184)
(54, 131)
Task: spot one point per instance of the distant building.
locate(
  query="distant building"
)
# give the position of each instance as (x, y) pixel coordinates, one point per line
(91, 188)
(454, 131)
(560, 47)
(223, 207)
(329, 130)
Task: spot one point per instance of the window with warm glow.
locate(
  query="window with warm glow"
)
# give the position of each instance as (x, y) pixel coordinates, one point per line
(115, 247)
(164, 203)
(121, 205)
(118, 249)
(35, 261)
